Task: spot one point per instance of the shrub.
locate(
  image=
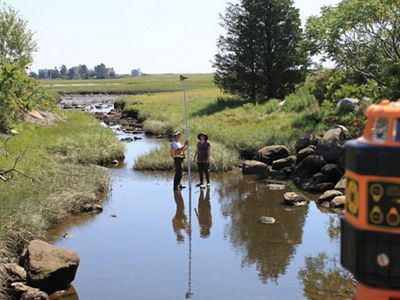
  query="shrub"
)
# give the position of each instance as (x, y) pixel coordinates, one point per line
(156, 127)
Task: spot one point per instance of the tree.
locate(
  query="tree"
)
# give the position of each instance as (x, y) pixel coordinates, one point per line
(63, 72)
(363, 36)
(101, 71)
(260, 56)
(18, 91)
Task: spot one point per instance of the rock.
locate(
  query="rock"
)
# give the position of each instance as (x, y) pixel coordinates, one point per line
(69, 294)
(255, 167)
(338, 201)
(332, 173)
(270, 153)
(13, 132)
(137, 138)
(347, 104)
(29, 293)
(338, 133)
(115, 162)
(16, 273)
(287, 162)
(266, 220)
(327, 196)
(50, 268)
(305, 152)
(113, 215)
(95, 208)
(341, 185)
(317, 178)
(276, 186)
(308, 167)
(331, 151)
(127, 139)
(67, 235)
(301, 203)
(291, 198)
(282, 174)
(325, 204)
(305, 141)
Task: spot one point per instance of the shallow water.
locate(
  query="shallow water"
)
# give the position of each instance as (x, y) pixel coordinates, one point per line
(152, 243)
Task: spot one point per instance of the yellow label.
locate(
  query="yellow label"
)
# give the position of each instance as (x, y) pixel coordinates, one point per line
(352, 197)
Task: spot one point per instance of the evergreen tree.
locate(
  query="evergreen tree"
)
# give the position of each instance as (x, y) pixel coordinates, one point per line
(260, 57)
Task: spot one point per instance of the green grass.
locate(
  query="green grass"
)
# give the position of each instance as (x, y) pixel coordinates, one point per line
(60, 160)
(237, 127)
(147, 83)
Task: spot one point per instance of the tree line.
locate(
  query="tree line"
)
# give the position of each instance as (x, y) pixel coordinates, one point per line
(100, 71)
(266, 54)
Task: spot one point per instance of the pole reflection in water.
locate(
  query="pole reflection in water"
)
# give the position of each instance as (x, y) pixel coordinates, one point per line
(204, 213)
(189, 293)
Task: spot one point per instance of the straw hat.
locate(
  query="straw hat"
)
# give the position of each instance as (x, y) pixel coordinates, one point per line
(177, 132)
(202, 133)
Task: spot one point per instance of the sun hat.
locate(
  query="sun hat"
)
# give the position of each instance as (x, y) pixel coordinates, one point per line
(176, 133)
(202, 133)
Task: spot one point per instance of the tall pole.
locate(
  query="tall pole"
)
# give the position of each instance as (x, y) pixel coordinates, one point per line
(183, 78)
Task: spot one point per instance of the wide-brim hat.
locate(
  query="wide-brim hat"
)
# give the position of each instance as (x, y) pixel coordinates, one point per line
(177, 132)
(202, 133)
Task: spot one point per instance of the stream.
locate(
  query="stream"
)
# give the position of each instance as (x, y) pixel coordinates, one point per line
(152, 243)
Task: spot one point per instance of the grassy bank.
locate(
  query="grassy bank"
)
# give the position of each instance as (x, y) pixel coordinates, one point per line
(236, 128)
(60, 161)
(146, 83)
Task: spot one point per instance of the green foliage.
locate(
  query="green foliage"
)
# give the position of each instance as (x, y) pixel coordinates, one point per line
(260, 57)
(18, 92)
(333, 85)
(272, 106)
(360, 35)
(156, 127)
(299, 101)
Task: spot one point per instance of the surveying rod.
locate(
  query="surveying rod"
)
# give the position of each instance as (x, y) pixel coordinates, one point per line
(183, 78)
(370, 229)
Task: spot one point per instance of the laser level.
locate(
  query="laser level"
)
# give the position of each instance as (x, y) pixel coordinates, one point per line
(370, 229)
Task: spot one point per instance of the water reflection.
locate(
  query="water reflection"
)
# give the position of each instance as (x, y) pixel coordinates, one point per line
(204, 213)
(270, 248)
(179, 222)
(323, 278)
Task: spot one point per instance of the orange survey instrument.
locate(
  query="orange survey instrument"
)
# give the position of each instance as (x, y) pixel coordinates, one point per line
(370, 239)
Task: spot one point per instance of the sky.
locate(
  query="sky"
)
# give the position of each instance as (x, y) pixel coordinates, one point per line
(157, 36)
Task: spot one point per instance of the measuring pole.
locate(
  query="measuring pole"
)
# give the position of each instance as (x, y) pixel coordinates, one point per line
(183, 78)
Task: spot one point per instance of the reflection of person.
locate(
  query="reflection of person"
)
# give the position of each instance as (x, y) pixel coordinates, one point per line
(202, 157)
(179, 222)
(204, 214)
(177, 152)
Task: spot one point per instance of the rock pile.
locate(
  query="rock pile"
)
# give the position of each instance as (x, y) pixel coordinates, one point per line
(317, 164)
(43, 269)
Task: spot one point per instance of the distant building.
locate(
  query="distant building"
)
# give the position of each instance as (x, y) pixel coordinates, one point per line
(136, 72)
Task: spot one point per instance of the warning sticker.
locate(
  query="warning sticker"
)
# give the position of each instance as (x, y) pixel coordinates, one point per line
(352, 197)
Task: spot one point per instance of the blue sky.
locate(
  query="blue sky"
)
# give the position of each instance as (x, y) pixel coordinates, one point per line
(158, 36)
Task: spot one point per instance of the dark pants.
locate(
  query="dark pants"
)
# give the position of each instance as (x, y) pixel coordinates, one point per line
(203, 169)
(178, 162)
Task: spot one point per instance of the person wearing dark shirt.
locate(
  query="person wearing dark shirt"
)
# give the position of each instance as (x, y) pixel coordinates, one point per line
(202, 158)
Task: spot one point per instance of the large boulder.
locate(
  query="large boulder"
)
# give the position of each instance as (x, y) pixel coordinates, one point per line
(331, 173)
(50, 268)
(309, 166)
(287, 162)
(306, 141)
(329, 196)
(270, 153)
(338, 133)
(303, 153)
(348, 104)
(255, 167)
(331, 151)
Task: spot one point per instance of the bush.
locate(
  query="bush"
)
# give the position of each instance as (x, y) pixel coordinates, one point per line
(272, 106)
(301, 100)
(156, 127)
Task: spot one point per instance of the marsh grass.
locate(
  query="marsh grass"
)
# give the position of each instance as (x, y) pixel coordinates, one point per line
(222, 159)
(239, 127)
(62, 182)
